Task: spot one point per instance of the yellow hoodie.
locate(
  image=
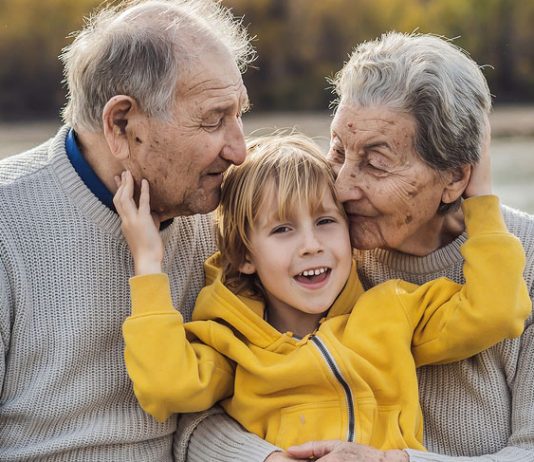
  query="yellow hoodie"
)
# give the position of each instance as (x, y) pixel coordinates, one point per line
(353, 378)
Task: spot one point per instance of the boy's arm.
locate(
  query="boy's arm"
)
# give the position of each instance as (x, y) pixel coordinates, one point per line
(169, 373)
(453, 322)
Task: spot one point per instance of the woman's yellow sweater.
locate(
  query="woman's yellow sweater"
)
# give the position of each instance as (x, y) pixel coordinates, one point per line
(354, 377)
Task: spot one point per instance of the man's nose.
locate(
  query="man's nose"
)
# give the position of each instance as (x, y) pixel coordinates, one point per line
(348, 184)
(235, 150)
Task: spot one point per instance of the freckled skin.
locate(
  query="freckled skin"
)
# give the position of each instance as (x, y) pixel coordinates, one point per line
(183, 159)
(391, 196)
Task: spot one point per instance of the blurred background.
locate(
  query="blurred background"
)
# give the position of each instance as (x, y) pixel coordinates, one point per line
(299, 43)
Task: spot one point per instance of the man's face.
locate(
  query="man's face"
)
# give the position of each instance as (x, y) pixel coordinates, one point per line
(184, 159)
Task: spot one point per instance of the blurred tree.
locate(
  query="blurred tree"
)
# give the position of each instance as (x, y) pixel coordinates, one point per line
(32, 34)
(299, 42)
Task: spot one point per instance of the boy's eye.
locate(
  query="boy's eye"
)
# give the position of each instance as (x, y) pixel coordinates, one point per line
(281, 229)
(325, 221)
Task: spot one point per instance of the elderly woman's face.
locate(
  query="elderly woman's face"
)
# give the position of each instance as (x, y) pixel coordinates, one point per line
(391, 196)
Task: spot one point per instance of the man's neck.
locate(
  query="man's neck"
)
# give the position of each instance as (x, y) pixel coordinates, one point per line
(96, 153)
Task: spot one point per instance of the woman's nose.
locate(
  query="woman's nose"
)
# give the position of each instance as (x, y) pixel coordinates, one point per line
(348, 184)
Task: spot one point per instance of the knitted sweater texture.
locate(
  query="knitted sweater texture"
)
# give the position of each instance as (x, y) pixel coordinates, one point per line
(477, 410)
(64, 269)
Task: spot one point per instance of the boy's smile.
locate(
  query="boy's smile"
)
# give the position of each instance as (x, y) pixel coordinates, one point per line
(303, 262)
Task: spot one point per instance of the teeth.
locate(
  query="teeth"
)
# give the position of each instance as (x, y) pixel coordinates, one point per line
(313, 272)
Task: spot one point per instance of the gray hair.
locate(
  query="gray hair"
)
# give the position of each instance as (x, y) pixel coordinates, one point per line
(429, 78)
(136, 49)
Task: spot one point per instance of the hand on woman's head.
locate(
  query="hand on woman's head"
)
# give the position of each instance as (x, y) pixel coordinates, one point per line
(480, 181)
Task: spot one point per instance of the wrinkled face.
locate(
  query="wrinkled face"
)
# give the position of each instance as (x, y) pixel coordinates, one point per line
(390, 195)
(303, 262)
(184, 159)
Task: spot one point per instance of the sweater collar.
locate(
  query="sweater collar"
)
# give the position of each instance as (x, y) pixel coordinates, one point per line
(85, 172)
(89, 177)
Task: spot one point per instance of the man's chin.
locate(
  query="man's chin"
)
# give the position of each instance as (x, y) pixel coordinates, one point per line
(204, 206)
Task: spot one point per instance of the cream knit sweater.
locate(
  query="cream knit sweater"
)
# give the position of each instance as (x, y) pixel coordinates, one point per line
(477, 410)
(64, 269)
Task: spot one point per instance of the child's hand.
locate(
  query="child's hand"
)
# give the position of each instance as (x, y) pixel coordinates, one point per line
(139, 226)
(480, 181)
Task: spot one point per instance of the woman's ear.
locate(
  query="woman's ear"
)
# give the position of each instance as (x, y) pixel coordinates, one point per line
(456, 180)
(248, 266)
(116, 116)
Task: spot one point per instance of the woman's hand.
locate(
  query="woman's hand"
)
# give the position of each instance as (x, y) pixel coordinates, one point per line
(139, 226)
(341, 451)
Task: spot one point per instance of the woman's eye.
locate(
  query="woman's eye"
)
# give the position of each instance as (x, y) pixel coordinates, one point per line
(336, 154)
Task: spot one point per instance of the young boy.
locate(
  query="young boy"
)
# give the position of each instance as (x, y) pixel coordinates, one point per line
(283, 333)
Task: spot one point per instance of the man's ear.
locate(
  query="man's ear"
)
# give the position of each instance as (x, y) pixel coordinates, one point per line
(248, 266)
(115, 117)
(456, 180)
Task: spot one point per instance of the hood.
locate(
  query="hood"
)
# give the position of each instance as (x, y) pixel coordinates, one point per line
(217, 303)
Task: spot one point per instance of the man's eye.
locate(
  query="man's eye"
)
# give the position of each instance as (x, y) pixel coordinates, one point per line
(214, 125)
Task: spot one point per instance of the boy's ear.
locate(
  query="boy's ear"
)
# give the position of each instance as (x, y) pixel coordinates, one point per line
(247, 267)
(456, 182)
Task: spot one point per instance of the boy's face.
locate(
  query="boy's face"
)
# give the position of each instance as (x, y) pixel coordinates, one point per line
(303, 262)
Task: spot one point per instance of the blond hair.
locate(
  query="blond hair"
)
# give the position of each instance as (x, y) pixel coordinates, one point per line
(290, 167)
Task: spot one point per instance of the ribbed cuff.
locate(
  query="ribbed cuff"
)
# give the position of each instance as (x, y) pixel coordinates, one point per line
(150, 293)
(507, 454)
(483, 215)
(219, 438)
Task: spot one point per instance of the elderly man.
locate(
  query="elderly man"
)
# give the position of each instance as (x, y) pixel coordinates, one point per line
(153, 86)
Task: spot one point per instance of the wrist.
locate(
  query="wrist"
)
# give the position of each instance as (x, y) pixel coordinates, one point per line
(146, 266)
(396, 455)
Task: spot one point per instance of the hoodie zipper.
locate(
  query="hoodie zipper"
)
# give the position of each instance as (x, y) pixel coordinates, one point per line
(337, 374)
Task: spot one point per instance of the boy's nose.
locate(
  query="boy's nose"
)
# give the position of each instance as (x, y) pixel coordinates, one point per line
(311, 244)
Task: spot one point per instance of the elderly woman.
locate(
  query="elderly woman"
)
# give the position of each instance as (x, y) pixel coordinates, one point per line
(410, 124)
(411, 121)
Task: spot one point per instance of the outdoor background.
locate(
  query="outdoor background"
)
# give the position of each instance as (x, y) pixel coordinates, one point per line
(299, 43)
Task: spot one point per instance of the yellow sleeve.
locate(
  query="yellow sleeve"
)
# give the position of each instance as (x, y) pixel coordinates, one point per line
(169, 373)
(452, 321)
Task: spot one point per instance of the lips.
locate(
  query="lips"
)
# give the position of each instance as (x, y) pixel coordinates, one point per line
(314, 277)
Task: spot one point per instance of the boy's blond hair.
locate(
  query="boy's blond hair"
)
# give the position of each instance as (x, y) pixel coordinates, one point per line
(292, 168)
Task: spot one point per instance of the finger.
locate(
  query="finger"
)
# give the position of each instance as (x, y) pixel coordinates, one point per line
(127, 179)
(117, 179)
(313, 449)
(144, 198)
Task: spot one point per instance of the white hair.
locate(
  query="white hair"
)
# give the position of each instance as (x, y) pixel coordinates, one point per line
(137, 48)
(431, 79)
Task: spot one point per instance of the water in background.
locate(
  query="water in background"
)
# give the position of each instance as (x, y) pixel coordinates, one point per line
(512, 156)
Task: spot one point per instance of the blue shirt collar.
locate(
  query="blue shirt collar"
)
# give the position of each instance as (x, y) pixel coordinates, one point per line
(89, 177)
(86, 173)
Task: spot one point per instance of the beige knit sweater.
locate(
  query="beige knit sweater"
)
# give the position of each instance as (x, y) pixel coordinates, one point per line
(64, 269)
(478, 410)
